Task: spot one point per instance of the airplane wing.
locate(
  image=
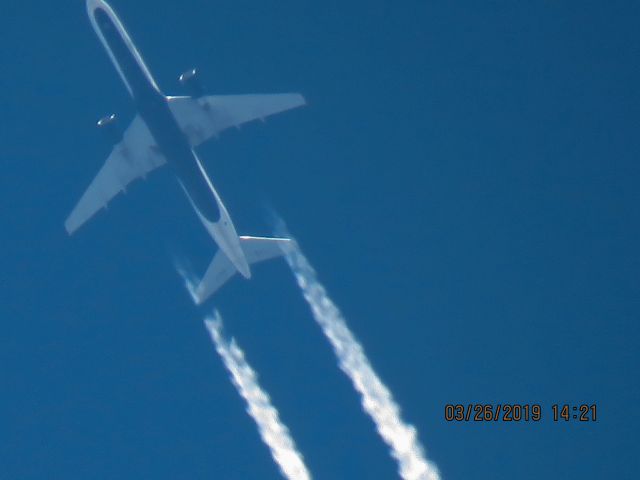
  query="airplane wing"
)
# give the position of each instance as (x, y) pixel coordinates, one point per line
(135, 156)
(204, 117)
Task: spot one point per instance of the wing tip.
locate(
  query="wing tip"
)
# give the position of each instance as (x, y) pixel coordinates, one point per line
(70, 227)
(200, 295)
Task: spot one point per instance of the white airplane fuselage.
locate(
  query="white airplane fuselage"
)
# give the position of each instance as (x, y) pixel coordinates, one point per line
(153, 108)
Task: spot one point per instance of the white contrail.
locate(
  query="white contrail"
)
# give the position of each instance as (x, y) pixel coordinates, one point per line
(273, 432)
(376, 398)
(183, 268)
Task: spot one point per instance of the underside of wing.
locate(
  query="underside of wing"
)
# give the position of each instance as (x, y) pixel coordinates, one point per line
(205, 117)
(134, 157)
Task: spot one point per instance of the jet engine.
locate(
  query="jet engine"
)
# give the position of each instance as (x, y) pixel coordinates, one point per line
(191, 81)
(109, 125)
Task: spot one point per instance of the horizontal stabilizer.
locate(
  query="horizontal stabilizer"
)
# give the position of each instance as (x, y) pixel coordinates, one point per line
(256, 249)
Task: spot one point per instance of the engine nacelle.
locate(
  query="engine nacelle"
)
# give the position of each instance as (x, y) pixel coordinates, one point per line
(191, 82)
(109, 125)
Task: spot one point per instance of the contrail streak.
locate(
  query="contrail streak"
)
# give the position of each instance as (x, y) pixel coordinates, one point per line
(376, 398)
(273, 432)
(183, 268)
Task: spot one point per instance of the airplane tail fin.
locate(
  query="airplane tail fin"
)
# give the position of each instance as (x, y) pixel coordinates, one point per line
(256, 249)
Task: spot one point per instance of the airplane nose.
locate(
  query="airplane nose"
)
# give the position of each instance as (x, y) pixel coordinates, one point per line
(94, 4)
(91, 6)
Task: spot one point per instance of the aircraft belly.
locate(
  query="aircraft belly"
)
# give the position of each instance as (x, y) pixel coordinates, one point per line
(180, 157)
(199, 191)
(126, 59)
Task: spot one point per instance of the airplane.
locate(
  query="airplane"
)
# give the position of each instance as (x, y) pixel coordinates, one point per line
(166, 130)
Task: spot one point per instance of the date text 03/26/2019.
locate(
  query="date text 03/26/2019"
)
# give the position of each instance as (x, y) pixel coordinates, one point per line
(519, 412)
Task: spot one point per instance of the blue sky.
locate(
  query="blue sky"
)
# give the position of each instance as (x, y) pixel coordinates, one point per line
(464, 179)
